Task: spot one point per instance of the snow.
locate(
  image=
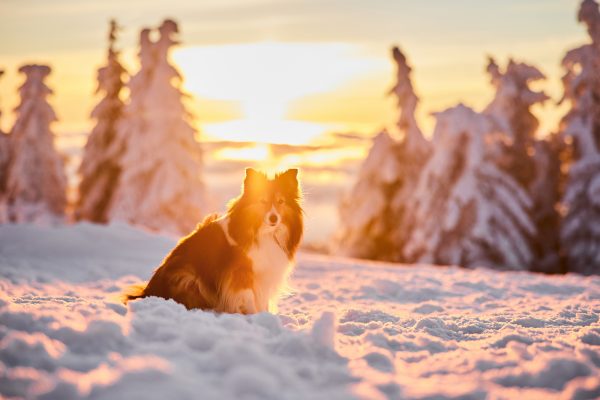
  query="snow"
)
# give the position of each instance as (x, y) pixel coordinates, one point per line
(351, 329)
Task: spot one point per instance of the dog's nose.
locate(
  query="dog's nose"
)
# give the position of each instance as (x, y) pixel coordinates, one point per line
(273, 219)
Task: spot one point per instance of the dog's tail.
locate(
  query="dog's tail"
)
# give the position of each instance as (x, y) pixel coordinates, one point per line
(134, 292)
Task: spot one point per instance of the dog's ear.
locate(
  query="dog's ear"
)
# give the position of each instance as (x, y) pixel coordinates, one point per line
(254, 179)
(288, 181)
(251, 173)
(291, 176)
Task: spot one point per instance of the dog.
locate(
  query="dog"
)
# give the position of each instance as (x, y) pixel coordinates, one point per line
(238, 262)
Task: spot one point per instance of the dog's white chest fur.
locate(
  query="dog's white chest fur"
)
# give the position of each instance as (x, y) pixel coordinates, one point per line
(271, 266)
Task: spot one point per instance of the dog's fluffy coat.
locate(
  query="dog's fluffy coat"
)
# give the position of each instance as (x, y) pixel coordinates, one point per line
(237, 263)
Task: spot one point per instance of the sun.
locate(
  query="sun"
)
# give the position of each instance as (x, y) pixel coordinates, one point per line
(264, 79)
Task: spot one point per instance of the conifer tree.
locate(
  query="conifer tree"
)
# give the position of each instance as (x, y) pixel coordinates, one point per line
(4, 152)
(374, 209)
(511, 108)
(407, 102)
(531, 161)
(466, 210)
(365, 214)
(544, 191)
(580, 128)
(99, 167)
(4, 157)
(160, 185)
(35, 182)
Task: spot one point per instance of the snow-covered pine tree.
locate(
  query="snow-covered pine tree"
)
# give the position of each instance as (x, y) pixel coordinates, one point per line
(465, 210)
(407, 104)
(4, 156)
(160, 186)
(99, 168)
(365, 214)
(132, 114)
(511, 107)
(1, 74)
(138, 84)
(544, 191)
(373, 210)
(36, 181)
(580, 231)
(532, 162)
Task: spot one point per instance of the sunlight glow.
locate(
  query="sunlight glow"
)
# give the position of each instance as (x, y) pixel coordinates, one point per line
(266, 130)
(265, 78)
(257, 152)
(266, 157)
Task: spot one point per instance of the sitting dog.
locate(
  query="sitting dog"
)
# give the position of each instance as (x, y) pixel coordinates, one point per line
(238, 262)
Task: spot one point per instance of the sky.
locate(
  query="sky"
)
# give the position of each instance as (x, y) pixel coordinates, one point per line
(324, 63)
(310, 76)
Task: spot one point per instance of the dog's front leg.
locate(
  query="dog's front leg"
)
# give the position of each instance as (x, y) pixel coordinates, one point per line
(237, 293)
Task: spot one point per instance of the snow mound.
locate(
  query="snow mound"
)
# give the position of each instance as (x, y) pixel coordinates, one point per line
(395, 331)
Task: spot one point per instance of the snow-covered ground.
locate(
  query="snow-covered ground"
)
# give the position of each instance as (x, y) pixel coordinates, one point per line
(351, 329)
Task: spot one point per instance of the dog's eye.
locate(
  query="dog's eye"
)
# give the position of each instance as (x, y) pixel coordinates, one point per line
(280, 201)
(263, 201)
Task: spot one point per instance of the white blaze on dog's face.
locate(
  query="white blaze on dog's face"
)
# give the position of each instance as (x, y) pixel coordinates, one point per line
(272, 218)
(274, 203)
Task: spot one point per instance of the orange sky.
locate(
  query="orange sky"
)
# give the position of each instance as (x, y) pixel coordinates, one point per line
(321, 66)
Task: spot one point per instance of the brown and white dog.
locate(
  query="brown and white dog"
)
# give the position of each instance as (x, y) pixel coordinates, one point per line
(239, 262)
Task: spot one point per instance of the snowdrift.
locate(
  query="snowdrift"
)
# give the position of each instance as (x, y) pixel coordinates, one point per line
(351, 329)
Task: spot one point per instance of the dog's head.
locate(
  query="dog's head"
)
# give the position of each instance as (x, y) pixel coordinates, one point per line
(268, 206)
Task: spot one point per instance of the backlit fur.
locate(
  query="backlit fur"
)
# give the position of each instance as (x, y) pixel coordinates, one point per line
(238, 262)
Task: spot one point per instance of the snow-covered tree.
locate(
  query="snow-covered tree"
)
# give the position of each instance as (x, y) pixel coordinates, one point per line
(99, 167)
(160, 185)
(407, 104)
(580, 128)
(138, 84)
(35, 182)
(466, 210)
(374, 208)
(1, 73)
(4, 156)
(365, 215)
(544, 190)
(511, 107)
(532, 162)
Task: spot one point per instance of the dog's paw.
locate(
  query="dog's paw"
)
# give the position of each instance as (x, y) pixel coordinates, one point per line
(246, 303)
